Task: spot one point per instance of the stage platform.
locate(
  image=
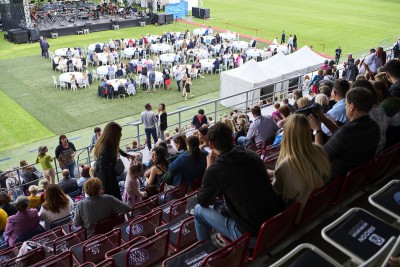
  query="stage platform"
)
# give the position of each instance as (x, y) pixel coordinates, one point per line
(101, 24)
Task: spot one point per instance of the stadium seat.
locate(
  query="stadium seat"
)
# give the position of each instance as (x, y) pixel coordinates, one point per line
(172, 194)
(306, 255)
(274, 230)
(49, 236)
(270, 162)
(319, 201)
(181, 232)
(28, 235)
(10, 252)
(204, 254)
(140, 226)
(107, 224)
(95, 249)
(63, 259)
(144, 207)
(74, 194)
(147, 252)
(383, 163)
(106, 263)
(353, 181)
(173, 210)
(28, 259)
(60, 222)
(118, 254)
(387, 199)
(63, 243)
(362, 236)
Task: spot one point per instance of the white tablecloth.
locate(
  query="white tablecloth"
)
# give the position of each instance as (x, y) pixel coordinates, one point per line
(115, 83)
(201, 52)
(199, 31)
(282, 49)
(229, 36)
(163, 48)
(207, 63)
(159, 77)
(256, 53)
(102, 57)
(62, 52)
(92, 47)
(240, 44)
(167, 57)
(130, 51)
(216, 48)
(66, 77)
(103, 70)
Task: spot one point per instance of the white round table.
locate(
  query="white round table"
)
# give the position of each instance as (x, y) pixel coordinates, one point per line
(201, 52)
(199, 31)
(240, 45)
(92, 47)
(207, 63)
(103, 70)
(254, 53)
(167, 57)
(163, 48)
(102, 57)
(229, 36)
(130, 51)
(62, 52)
(282, 49)
(159, 77)
(116, 82)
(216, 48)
(66, 77)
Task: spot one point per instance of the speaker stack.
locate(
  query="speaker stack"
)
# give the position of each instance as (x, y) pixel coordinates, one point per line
(159, 18)
(201, 13)
(169, 18)
(18, 36)
(33, 34)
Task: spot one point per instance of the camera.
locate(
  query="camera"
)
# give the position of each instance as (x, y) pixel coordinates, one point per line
(310, 108)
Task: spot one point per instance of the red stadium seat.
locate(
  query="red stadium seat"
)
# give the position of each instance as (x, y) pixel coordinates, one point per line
(63, 259)
(107, 224)
(28, 259)
(63, 243)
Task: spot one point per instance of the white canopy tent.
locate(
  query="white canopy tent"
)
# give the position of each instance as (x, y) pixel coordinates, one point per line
(305, 60)
(242, 79)
(260, 74)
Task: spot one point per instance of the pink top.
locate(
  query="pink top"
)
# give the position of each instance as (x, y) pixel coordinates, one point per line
(22, 222)
(131, 194)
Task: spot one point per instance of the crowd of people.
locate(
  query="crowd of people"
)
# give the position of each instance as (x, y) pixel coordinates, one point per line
(336, 122)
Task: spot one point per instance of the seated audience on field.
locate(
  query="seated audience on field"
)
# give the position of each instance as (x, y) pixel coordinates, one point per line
(96, 207)
(302, 166)
(6, 205)
(34, 199)
(188, 166)
(57, 205)
(132, 193)
(24, 221)
(238, 176)
(338, 111)
(377, 113)
(354, 143)
(261, 129)
(68, 184)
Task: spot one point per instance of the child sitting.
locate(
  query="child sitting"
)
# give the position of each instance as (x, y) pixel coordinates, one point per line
(34, 200)
(132, 194)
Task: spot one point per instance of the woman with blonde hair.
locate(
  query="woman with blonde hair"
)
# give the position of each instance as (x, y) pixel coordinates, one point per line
(45, 162)
(106, 153)
(302, 166)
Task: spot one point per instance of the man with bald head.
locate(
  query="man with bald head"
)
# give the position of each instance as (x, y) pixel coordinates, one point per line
(68, 184)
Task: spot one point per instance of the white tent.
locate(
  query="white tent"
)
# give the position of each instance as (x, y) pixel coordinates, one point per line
(305, 60)
(242, 79)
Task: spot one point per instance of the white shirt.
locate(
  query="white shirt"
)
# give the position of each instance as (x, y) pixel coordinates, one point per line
(47, 216)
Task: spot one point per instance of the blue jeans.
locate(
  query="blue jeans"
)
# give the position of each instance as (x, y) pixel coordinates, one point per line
(71, 168)
(179, 85)
(150, 132)
(204, 218)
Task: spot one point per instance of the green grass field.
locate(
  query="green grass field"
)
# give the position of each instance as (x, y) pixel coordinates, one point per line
(35, 113)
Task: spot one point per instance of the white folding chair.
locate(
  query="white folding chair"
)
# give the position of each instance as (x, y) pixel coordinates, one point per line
(55, 82)
(63, 85)
(94, 75)
(73, 86)
(131, 89)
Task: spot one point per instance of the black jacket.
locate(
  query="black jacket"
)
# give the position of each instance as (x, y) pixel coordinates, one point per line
(239, 176)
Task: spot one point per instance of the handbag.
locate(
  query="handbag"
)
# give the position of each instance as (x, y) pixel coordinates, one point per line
(119, 167)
